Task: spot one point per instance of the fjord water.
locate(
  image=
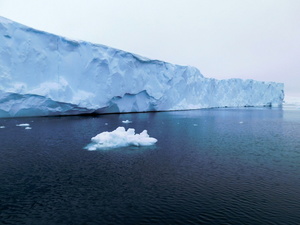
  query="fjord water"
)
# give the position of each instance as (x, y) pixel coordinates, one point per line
(215, 166)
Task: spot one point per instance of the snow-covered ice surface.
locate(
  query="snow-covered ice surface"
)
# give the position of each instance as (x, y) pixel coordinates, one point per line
(120, 138)
(43, 74)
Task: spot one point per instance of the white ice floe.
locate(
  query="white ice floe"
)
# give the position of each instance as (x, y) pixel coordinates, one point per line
(126, 121)
(23, 125)
(28, 128)
(2, 127)
(120, 138)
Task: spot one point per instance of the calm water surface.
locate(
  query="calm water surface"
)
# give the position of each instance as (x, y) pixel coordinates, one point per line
(216, 166)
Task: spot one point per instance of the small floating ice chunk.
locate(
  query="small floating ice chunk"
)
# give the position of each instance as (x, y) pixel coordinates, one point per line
(120, 138)
(241, 122)
(195, 125)
(28, 128)
(2, 127)
(126, 121)
(23, 125)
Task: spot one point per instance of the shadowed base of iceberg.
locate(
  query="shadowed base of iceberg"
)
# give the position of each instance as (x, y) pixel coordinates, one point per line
(28, 105)
(120, 138)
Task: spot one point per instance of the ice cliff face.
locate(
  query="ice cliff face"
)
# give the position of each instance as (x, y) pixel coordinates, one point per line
(43, 74)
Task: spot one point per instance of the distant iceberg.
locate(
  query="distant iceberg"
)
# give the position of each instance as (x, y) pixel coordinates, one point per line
(23, 125)
(126, 121)
(292, 102)
(42, 74)
(120, 138)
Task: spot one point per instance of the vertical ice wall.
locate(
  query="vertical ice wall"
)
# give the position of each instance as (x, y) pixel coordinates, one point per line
(45, 74)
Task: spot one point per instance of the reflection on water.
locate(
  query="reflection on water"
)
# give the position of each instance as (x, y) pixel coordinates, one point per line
(216, 166)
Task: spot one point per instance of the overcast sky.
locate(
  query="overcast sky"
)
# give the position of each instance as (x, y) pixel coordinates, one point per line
(256, 39)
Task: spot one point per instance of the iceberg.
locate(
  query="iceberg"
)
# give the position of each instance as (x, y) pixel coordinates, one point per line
(292, 102)
(126, 121)
(120, 138)
(42, 74)
(23, 125)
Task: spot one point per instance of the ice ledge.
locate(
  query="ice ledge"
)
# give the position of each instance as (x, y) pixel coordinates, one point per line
(27, 105)
(42, 74)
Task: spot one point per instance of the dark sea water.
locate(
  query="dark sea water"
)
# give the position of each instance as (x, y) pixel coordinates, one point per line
(215, 166)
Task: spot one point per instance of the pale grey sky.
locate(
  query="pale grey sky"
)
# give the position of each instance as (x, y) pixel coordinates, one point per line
(255, 39)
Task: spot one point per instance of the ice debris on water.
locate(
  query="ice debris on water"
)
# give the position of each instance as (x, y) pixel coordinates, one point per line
(23, 125)
(120, 138)
(126, 121)
(28, 128)
(2, 127)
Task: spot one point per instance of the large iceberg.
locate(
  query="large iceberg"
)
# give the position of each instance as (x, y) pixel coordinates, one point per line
(42, 74)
